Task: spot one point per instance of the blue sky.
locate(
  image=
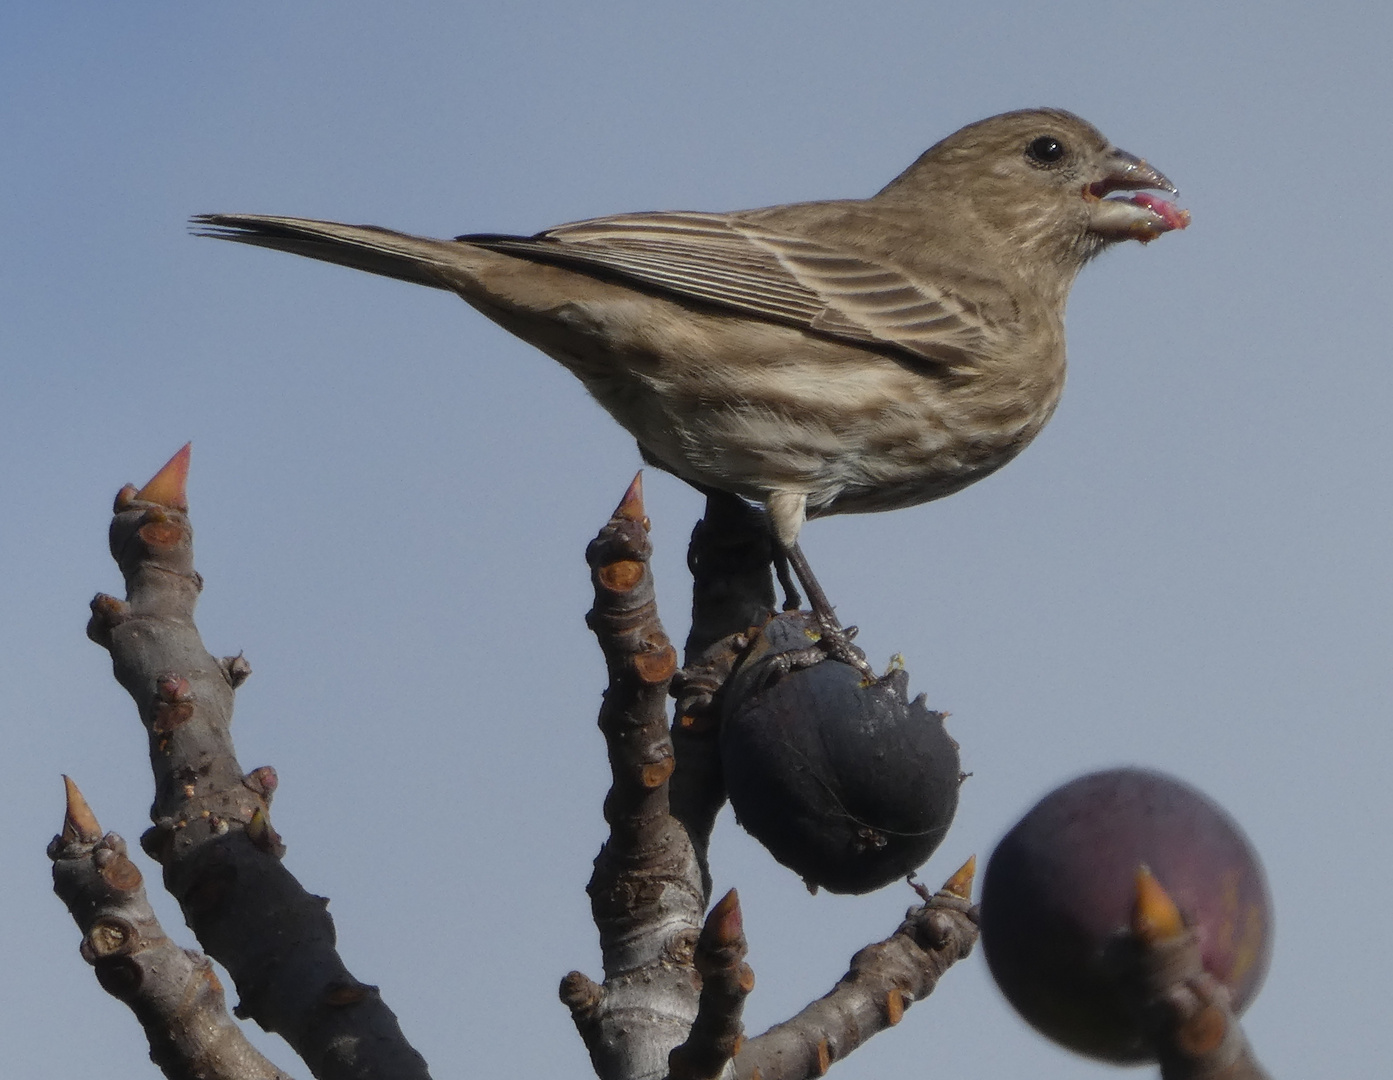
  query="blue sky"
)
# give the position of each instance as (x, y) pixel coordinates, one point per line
(1188, 570)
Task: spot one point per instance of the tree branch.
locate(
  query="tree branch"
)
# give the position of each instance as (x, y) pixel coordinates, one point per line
(1197, 1033)
(1202, 1039)
(729, 558)
(883, 980)
(726, 980)
(212, 832)
(732, 591)
(645, 893)
(173, 992)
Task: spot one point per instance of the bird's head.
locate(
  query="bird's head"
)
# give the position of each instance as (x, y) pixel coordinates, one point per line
(1044, 184)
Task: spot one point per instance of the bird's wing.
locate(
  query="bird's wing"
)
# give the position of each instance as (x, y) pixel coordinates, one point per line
(773, 275)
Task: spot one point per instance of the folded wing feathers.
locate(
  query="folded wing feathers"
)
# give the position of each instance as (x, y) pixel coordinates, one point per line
(884, 302)
(787, 278)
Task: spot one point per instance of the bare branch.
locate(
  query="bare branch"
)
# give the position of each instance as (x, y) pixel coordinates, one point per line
(645, 893)
(883, 980)
(212, 832)
(1202, 1039)
(173, 992)
(698, 783)
(729, 558)
(726, 980)
(1197, 1033)
(732, 591)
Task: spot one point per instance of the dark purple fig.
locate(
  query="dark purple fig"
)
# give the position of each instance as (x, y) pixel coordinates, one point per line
(1058, 895)
(851, 785)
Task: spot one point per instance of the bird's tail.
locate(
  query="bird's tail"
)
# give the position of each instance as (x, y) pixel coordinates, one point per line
(364, 247)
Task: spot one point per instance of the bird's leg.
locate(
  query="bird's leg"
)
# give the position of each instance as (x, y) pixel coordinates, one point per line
(793, 599)
(817, 599)
(836, 639)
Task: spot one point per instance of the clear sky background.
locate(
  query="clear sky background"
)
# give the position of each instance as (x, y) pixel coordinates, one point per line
(1188, 570)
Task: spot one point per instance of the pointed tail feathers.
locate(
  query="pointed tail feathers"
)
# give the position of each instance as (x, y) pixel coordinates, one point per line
(363, 247)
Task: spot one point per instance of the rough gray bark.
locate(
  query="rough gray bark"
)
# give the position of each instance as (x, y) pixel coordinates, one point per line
(882, 981)
(212, 831)
(726, 980)
(646, 891)
(173, 992)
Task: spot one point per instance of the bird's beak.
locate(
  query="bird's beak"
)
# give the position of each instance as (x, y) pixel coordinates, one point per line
(1127, 172)
(1138, 217)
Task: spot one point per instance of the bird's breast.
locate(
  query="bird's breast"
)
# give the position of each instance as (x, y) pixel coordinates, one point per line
(757, 408)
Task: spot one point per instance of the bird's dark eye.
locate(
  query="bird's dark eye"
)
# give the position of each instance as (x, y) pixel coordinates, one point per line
(1046, 150)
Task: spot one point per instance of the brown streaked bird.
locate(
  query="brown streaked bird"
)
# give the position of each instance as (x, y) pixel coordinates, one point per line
(820, 357)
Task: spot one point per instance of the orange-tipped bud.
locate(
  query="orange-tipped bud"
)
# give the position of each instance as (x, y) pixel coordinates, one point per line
(960, 884)
(169, 486)
(1155, 917)
(725, 923)
(631, 505)
(79, 823)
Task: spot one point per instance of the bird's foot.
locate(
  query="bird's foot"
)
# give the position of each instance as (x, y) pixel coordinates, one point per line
(771, 667)
(834, 642)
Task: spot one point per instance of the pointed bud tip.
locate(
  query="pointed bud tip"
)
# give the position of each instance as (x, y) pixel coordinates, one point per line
(726, 918)
(1155, 916)
(960, 884)
(631, 505)
(169, 486)
(79, 823)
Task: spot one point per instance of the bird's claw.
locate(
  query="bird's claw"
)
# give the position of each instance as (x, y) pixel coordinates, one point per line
(834, 641)
(775, 668)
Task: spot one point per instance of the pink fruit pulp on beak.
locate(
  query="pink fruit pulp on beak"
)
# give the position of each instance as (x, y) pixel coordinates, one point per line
(1172, 215)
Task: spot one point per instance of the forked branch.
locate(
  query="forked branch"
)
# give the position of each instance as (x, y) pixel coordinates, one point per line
(212, 832)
